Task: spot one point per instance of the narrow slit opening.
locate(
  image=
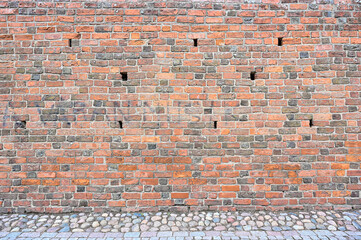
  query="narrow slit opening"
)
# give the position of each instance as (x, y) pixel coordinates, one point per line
(253, 75)
(124, 76)
(311, 122)
(280, 41)
(70, 43)
(214, 124)
(120, 124)
(195, 42)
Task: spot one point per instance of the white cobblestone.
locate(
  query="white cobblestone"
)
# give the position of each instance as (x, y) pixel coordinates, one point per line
(197, 225)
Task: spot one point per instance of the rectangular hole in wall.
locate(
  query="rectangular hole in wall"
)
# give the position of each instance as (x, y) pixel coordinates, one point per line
(280, 41)
(120, 124)
(70, 42)
(124, 76)
(195, 42)
(214, 124)
(311, 122)
(20, 124)
(253, 75)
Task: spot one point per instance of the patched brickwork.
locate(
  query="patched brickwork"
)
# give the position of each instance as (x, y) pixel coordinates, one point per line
(179, 105)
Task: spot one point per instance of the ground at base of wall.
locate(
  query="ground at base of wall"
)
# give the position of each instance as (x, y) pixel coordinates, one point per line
(140, 223)
(254, 235)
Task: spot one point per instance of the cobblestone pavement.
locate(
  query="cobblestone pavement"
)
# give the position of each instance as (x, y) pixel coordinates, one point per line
(178, 226)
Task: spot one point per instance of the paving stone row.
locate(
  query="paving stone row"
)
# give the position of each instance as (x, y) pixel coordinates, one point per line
(210, 235)
(177, 222)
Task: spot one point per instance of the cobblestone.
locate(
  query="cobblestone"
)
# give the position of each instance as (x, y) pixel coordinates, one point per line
(182, 226)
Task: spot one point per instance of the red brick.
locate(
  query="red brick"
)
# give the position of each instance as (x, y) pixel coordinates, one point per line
(30, 182)
(179, 195)
(80, 181)
(230, 188)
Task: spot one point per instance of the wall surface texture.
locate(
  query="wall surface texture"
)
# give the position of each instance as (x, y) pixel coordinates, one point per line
(179, 106)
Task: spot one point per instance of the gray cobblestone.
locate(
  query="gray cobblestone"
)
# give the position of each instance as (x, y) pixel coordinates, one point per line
(275, 225)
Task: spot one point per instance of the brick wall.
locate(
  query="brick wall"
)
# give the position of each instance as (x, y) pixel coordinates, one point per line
(179, 105)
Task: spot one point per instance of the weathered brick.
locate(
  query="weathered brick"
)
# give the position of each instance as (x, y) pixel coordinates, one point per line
(66, 103)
